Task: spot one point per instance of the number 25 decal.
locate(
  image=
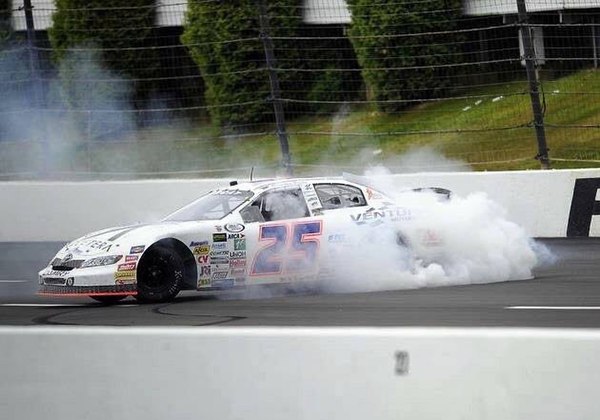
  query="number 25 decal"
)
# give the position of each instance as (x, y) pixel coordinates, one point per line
(289, 248)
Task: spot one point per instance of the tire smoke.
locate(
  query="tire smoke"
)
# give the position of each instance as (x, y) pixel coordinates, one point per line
(463, 240)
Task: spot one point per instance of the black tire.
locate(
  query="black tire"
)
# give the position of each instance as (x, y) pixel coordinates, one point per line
(407, 257)
(160, 275)
(108, 300)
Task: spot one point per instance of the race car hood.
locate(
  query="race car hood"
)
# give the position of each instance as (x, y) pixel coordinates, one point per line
(119, 240)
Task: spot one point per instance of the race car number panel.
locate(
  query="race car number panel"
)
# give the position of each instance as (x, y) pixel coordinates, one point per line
(289, 248)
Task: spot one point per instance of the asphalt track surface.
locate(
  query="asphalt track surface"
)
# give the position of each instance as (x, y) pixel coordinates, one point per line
(565, 294)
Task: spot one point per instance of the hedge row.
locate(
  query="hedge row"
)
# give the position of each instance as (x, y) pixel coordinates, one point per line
(224, 40)
(417, 66)
(111, 32)
(5, 13)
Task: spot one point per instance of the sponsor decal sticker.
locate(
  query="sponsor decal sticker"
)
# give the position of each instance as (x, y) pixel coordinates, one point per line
(125, 277)
(198, 243)
(239, 244)
(219, 260)
(236, 236)
(201, 250)
(313, 202)
(203, 259)
(220, 246)
(127, 266)
(380, 215)
(238, 263)
(219, 275)
(203, 282)
(121, 274)
(128, 280)
(219, 253)
(238, 254)
(219, 237)
(234, 227)
(56, 273)
(138, 249)
(92, 243)
(311, 197)
(205, 271)
(131, 258)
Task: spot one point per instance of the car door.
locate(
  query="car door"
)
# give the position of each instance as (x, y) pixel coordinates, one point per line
(283, 237)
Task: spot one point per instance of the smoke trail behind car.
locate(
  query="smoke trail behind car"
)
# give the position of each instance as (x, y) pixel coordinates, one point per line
(467, 240)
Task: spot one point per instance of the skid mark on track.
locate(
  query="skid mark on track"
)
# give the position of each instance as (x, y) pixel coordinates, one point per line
(47, 319)
(79, 307)
(214, 319)
(77, 315)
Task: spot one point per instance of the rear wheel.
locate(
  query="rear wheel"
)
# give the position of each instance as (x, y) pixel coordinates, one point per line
(407, 258)
(160, 274)
(109, 299)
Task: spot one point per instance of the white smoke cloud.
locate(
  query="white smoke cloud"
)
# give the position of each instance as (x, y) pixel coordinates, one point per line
(464, 240)
(424, 159)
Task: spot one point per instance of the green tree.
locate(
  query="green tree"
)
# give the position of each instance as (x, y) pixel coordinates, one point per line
(5, 13)
(224, 41)
(400, 49)
(118, 34)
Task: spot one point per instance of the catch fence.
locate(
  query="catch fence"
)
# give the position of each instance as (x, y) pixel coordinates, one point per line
(178, 88)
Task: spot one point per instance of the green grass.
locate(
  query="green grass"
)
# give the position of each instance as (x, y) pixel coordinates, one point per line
(489, 128)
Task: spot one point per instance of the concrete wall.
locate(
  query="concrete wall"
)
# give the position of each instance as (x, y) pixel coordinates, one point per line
(540, 201)
(264, 373)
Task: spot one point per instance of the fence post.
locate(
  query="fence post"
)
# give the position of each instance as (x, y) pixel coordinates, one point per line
(275, 89)
(530, 63)
(34, 68)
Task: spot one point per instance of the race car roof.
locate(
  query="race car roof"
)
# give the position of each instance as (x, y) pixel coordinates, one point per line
(280, 183)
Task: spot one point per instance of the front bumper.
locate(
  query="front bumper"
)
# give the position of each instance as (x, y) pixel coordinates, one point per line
(92, 281)
(116, 290)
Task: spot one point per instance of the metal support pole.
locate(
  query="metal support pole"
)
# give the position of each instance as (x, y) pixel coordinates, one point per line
(538, 116)
(275, 89)
(34, 68)
(594, 43)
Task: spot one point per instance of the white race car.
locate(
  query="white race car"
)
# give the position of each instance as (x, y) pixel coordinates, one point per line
(264, 232)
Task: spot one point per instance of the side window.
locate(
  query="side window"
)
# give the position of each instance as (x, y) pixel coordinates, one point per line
(276, 205)
(336, 196)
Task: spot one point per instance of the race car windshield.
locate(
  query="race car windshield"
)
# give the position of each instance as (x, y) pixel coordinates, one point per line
(212, 206)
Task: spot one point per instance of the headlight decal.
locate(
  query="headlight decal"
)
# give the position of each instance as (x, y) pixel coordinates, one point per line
(101, 261)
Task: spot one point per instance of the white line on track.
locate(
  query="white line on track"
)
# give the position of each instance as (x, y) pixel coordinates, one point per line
(44, 305)
(61, 305)
(557, 308)
(14, 281)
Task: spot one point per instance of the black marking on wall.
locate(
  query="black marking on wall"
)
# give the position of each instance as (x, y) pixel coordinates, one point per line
(583, 206)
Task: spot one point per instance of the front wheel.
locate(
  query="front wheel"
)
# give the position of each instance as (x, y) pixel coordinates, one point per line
(160, 275)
